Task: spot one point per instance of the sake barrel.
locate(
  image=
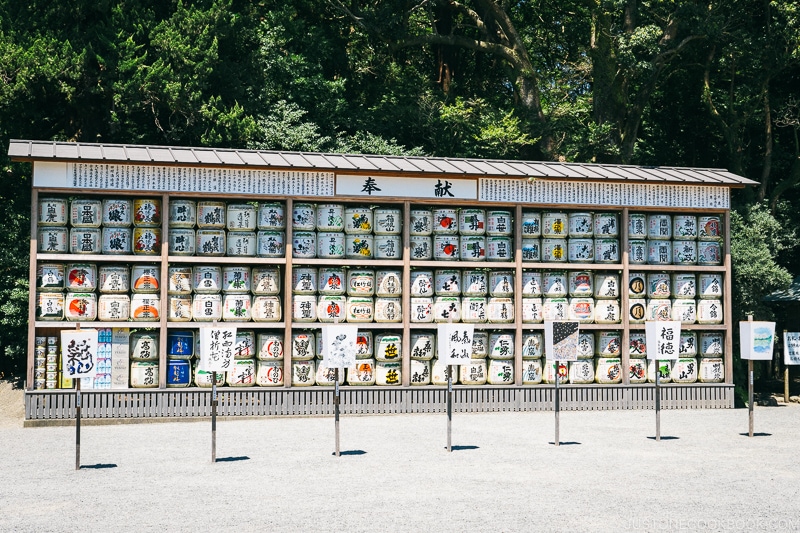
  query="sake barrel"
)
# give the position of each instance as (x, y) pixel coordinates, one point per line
(207, 307)
(242, 373)
(421, 247)
(236, 307)
(445, 247)
(330, 245)
(304, 244)
(423, 345)
(664, 374)
(210, 242)
(500, 310)
(445, 221)
(117, 241)
(358, 246)
(659, 252)
(447, 282)
(446, 309)
(709, 253)
(327, 376)
(709, 227)
(608, 370)
(472, 248)
(421, 222)
(182, 241)
(113, 307)
(532, 372)
(270, 244)
(364, 345)
(269, 373)
(179, 307)
(358, 220)
(580, 283)
(684, 252)
(531, 249)
(270, 346)
(331, 281)
(147, 212)
(658, 310)
(80, 306)
(637, 252)
(531, 224)
(241, 243)
(499, 223)
(607, 312)
(684, 370)
(179, 373)
(360, 309)
(236, 279)
(85, 213)
(684, 285)
(387, 373)
(709, 311)
(81, 277)
(388, 310)
(688, 344)
(605, 225)
(205, 379)
(387, 247)
(684, 310)
(303, 346)
(472, 222)
(554, 283)
(304, 217)
(499, 249)
(271, 216)
(53, 240)
(637, 372)
(637, 226)
(241, 217)
(473, 372)
(52, 212)
(581, 372)
(555, 309)
(637, 310)
(637, 345)
(211, 215)
(659, 227)
(330, 217)
(712, 344)
(531, 283)
(533, 345)
(480, 344)
(532, 310)
(360, 282)
(580, 225)
(711, 370)
(207, 279)
(331, 308)
(582, 310)
(658, 285)
(474, 283)
(50, 276)
(608, 343)
(388, 347)
(684, 227)
(422, 283)
(363, 373)
(144, 374)
(388, 221)
(49, 306)
(501, 283)
(304, 308)
(606, 286)
(555, 224)
(182, 213)
(304, 280)
(606, 251)
(88, 241)
(421, 310)
(710, 286)
(143, 346)
(554, 250)
(585, 348)
(637, 285)
(549, 372)
(501, 345)
(500, 372)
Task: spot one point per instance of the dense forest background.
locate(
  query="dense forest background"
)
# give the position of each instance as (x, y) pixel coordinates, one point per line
(680, 82)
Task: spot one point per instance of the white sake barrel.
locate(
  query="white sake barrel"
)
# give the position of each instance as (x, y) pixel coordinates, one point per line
(422, 283)
(606, 250)
(423, 345)
(531, 249)
(269, 373)
(179, 307)
(637, 310)
(445, 221)
(145, 307)
(330, 217)
(331, 281)
(473, 372)
(360, 282)
(421, 310)
(684, 252)
(50, 276)
(709, 311)
(474, 310)
(447, 282)
(53, 239)
(531, 283)
(182, 213)
(472, 248)
(580, 283)
(303, 346)
(531, 224)
(709, 253)
(499, 223)
(688, 346)
(480, 344)
(245, 346)
(637, 372)
(607, 312)
(710, 286)
(474, 283)
(81, 277)
(658, 285)
(236, 307)
(684, 310)
(580, 225)
(472, 222)
(388, 347)
(606, 225)
(664, 371)
(241, 217)
(532, 372)
(608, 343)
(118, 240)
(113, 307)
(421, 247)
(388, 221)
(358, 246)
(388, 310)
(49, 306)
(606, 286)
(582, 310)
(555, 284)
(581, 372)
(500, 310)
(421, 222)
(659, 252)
(270, 346)
(500, 372)
(80, 306)
(712, 344)
(501, 283)
(144, 374)
(499, 249)
(211, 215)
(362, 374)
(266, 309)
(709, 228)
(684, 285)
(182, 241)
(242, 374)
(207, 279)
(549, 372)
(445, 247)
(270, 244)
(608, 370)
(387, 373)
(180, 280)
(658, 309)
(637, 285)
(330, 245)
(532, 310)
(271, 216)
(555, 309)
(327, 376)
(52, 212)
(207, 307)
(711, 370)
(533, 345)
(360, 309)
(85, 213)
(304, 280)
(580, 250)
(358, 220)
(304, 217)
(143, 346)
(555, 224)
(205, 379)
(637, 226)
(554, 250)
(637, 345)
(364, 345)
(446, 308)
(304, 308)
(637, 252)
(659, 227)
(236, 279)
(110, 278)
(501, 345)
(684, 370)
(388, 247)
(331, 308)
(241, 243)
(684, 227)
(147, 212)
(86, 241)
(388, 283)
(304, 244)
(585, 345)
(210, 242)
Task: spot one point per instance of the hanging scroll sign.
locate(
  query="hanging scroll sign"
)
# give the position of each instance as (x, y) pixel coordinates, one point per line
(339, 346)
(455, 343)
(217, 349)
(79, 353)
(561, 340)
(663, 339)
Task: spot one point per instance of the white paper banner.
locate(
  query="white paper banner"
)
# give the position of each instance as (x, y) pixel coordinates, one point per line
(78, 353)
(663, 339)
(561, 340)
(217, 346)
(339, 346)
(791, 348)
(757, 340)
(454, 343)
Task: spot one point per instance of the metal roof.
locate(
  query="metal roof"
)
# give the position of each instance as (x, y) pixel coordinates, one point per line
(789, 294)
(27, 150)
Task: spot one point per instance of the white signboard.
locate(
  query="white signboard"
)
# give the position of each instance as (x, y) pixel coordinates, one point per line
(436, 188)
(79, 353)
(339, 346)
(663, 339)
(791, 348)
(757, 340)
(454, 343)
(561, 340)
(217, 347)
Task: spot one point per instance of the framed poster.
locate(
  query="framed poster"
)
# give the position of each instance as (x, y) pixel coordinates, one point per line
(757, 340)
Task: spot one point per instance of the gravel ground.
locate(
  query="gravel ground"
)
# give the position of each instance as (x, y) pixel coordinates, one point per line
(504, 473)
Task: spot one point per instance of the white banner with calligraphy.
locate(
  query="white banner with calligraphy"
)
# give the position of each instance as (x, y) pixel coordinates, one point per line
(79, 353)
(217, 346)
(791, 348)
(561, 340)
(339, 346)
(382, 186)
(663, 339)
(454, 343)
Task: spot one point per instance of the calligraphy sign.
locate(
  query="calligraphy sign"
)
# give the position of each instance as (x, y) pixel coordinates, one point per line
(436, 188)
(561, 340)
(757, 339)
(339, 346)
(663, 339)
(454, 343)
(217, 347)
(79, 353)
(791, 348)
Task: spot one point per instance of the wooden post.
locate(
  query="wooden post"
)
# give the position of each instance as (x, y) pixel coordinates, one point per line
(77, 415)
(557, 405)
(214, 417)
(750, 389)
(658, 402)
(785, 374)
(449, 407)
(336, 407)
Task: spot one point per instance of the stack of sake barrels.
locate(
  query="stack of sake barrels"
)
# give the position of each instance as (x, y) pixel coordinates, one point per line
(453, 295)
(144, 359)
(661, 239)
(586, 296)
(560, 237)
(451, 234)
(333, 231)
(46, 369)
